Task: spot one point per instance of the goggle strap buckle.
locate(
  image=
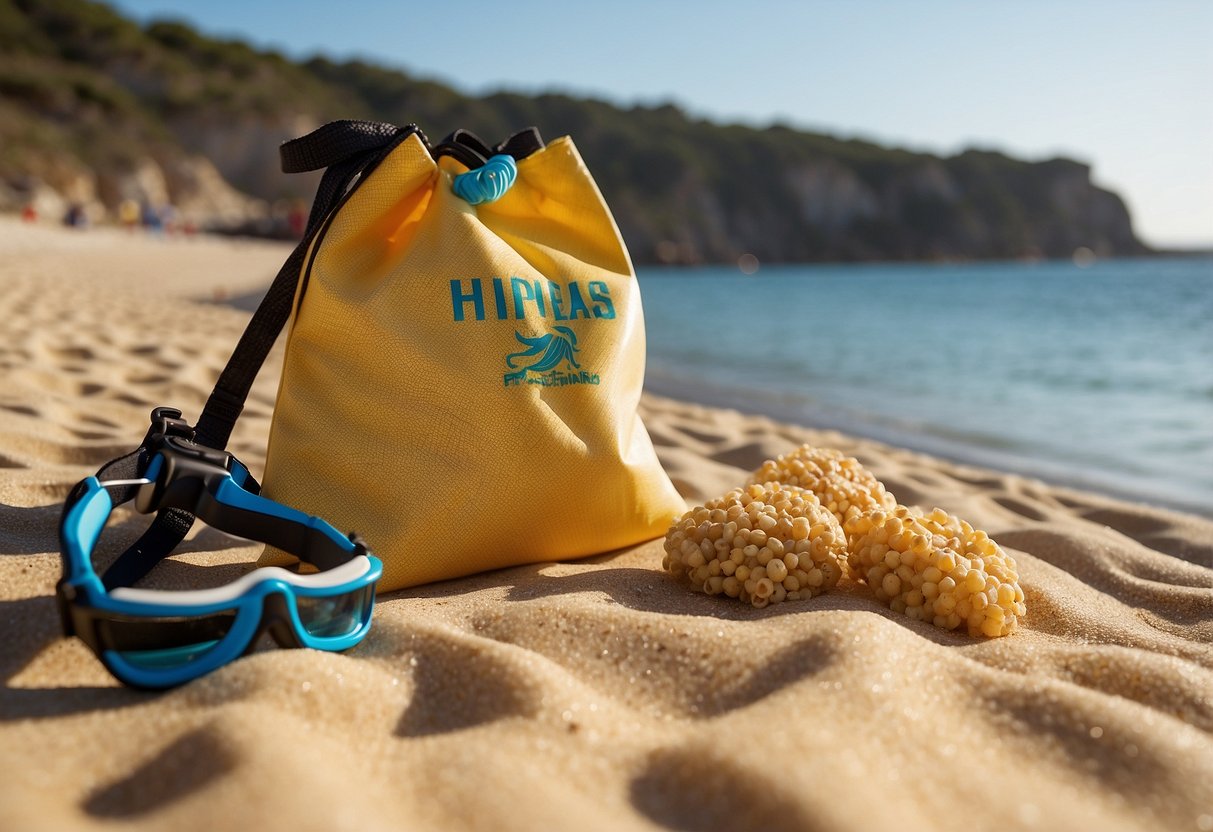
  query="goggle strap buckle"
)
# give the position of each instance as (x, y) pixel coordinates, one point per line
(166, 431)
(167, 421)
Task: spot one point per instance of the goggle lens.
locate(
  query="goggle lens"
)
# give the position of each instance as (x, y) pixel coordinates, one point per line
(166, 643)
(334, 616)
(168, 658)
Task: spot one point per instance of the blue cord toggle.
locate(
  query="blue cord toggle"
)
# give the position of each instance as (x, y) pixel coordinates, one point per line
(487, 183)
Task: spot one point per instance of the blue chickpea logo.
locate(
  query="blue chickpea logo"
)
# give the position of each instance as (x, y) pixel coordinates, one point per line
(550, 351)
(547, 304)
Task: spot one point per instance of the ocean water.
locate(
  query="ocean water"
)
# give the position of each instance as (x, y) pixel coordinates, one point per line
(1098, 377)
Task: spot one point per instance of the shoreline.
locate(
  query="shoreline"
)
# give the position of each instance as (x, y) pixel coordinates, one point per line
(954, 451)
(1151, 254)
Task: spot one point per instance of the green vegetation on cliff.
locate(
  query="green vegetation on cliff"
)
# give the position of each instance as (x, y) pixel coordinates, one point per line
(87, 96)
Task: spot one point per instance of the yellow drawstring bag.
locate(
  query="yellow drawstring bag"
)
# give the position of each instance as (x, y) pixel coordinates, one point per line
(464, 361)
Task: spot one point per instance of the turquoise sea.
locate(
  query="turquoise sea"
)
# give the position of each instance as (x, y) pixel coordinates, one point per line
(1098, 377)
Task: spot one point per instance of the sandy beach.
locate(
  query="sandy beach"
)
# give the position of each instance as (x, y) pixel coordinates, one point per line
(593, 694)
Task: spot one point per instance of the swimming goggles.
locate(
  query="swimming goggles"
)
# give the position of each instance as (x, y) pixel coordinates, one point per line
(162, 638)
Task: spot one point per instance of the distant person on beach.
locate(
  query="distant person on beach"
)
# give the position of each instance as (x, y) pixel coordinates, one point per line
(75, 216)
(29, 213)
(297, 220)
(150, 217)
(128, 214)
(168, 219)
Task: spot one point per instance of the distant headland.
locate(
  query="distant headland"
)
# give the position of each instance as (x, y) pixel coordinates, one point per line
(98, 114)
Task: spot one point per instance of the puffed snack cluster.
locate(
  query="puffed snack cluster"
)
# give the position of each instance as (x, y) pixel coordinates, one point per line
(936, 567)
(841, 484)
(762, 544)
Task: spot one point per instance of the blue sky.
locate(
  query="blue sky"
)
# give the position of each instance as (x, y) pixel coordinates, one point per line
(1125, 86)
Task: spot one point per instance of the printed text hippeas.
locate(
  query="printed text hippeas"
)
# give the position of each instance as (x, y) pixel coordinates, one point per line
(509, 302)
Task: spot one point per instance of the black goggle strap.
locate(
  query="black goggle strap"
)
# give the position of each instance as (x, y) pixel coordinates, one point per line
(192, 481)
(120, 476)
(256, 518)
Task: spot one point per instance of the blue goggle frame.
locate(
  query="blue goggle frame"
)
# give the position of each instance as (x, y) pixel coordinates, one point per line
(159, 639)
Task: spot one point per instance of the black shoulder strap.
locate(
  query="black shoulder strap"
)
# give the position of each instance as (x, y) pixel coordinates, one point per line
(347, 150)
(335, 142)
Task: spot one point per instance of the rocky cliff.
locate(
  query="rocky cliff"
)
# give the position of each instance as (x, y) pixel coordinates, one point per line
(97, 110)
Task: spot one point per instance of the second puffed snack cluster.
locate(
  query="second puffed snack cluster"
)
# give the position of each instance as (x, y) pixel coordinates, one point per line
(842, 485)
(789, 533)
(936, 567)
